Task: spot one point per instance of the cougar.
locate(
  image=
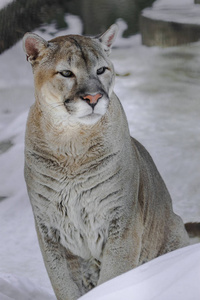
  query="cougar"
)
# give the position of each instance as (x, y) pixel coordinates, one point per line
(100, 205)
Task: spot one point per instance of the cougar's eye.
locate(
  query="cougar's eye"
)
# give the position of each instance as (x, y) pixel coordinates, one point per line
(66, 73)
(101, 70)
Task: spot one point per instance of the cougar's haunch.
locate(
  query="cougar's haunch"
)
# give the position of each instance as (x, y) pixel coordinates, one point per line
(100, 205)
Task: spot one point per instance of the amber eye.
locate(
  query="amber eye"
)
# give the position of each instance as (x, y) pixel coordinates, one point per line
(66, 73)
(101, 70)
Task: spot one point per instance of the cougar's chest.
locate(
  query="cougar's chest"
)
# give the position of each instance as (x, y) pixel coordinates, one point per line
(77, 206)
(82, 227)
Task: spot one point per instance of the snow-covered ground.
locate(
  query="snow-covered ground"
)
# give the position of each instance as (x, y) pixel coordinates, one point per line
(161, 98)
(174, 276)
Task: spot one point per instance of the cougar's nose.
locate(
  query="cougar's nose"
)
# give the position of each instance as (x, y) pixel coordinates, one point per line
(92, 99)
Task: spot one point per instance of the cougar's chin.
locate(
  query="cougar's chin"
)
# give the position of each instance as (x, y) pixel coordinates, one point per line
(90, 119)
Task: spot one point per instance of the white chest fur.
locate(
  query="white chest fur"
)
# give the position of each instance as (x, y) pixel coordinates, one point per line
(81, 222)
(78, 211)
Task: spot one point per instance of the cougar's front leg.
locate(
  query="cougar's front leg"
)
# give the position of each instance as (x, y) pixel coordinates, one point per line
(55, 258)
(121, 253)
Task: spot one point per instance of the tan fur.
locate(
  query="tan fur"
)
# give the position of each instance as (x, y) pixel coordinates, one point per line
(100, 205)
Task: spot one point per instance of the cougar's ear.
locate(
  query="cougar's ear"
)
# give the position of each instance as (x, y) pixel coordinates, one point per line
(108, 37)
(33, 44)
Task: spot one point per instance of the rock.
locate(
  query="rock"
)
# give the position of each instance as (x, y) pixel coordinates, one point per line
(170, 26)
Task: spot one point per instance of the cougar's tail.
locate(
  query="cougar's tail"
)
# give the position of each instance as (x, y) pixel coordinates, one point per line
(193, 229)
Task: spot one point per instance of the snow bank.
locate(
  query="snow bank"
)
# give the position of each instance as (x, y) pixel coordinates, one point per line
(173, 276)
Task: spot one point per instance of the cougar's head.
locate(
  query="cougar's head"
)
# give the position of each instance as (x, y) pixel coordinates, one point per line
(73, 75)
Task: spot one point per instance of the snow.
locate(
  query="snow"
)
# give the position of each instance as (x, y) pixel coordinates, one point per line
(172, 276)
(161, 98)
(4, 3)
(164, 278)
(178, 11)
(180, 14)
(19, 288)
(163, 3)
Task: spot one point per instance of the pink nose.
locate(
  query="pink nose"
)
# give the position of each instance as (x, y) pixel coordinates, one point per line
(92, 99)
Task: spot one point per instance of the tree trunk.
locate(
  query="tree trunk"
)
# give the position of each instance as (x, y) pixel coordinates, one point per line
(21, 16)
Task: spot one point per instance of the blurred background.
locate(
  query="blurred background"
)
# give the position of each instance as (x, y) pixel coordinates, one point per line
(21, 16)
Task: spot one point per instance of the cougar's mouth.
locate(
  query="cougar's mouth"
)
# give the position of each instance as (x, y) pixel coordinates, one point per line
(91, 115)
(90, 119)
